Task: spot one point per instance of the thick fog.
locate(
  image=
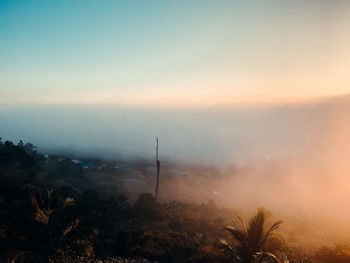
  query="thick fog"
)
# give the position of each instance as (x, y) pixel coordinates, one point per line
(290, 158)
(202, 135)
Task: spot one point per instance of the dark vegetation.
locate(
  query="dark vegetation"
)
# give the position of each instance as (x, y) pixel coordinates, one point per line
(68, 222)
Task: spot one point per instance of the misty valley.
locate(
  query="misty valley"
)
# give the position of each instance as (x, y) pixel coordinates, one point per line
(61, 208)
(185, 131)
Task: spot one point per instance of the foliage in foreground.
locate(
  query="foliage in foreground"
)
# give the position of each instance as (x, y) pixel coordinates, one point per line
(47, 224)
(249, 243)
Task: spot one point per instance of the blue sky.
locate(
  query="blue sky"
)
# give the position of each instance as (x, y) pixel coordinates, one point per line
(172, 52)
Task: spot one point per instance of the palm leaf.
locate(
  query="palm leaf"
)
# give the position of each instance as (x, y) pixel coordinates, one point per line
(70, 227)
(40, 215)
(271, 229)
(243, 224)
(224, 244)
(239, 235)
(68, 202)
(266, 255)
(256, 229)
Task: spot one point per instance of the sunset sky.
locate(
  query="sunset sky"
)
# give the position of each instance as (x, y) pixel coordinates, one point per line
(173, 52)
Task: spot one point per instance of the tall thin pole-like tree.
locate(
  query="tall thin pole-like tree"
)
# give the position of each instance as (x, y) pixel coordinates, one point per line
(158, 167)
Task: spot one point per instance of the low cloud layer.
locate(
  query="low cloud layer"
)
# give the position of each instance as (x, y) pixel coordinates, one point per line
(293, 159)
(204, 135)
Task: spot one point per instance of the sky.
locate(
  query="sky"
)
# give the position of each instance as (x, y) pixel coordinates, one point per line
(173, 53)
(82, 77)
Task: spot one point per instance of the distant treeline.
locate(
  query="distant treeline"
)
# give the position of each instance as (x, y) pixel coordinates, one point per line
(22, 161)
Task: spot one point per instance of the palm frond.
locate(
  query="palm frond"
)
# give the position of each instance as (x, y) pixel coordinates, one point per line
(40, 215)
(223, 243)
(266, 255)
(256, 229)
(70, 227)
(68, 202)
(271, 229)
(243, 224)
(239, 235)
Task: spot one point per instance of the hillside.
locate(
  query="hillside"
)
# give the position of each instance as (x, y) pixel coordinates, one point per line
(67, 223)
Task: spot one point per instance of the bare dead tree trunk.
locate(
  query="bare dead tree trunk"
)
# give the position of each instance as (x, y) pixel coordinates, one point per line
(158, 167)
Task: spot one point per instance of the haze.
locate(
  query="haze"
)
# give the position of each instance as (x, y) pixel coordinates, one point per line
(257, 89)
(213, 135)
